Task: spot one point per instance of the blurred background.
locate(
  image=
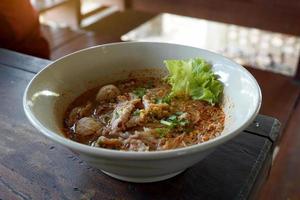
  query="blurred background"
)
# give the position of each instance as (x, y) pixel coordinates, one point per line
(262, 35)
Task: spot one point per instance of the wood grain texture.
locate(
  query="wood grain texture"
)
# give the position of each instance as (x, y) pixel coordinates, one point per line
(84, 41)
(22, 61)
(33, 167)
(270, 129)
(15, 186)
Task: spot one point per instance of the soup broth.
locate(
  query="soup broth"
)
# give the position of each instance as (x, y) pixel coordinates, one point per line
(139, 115)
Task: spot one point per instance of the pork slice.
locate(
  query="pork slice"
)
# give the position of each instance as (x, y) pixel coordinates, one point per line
(112, 143)
(122, 114)
(136, 145)
(158, 111)
(134, 121)
(173, 143)
(141, 141)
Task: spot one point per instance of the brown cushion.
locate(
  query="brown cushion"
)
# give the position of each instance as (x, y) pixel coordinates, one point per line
(20, 28)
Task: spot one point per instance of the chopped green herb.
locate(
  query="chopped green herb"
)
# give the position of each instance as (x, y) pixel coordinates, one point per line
(183, 122)
(172, 118)
(167, 123)
(139, 92)
(173, 121)
(136, 112)
(179, 113)
(162, 131)
(117, 114)
(158, 101)
(166, 99)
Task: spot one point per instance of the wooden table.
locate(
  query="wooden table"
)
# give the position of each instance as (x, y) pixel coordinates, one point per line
(33, 167)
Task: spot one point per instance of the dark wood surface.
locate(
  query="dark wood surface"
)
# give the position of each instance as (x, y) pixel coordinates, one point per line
(297, 75)
(84, 41)
(265, 131)
(22, 61)
(33, 167)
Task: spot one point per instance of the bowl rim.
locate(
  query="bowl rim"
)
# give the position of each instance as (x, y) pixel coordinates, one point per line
(133, 155)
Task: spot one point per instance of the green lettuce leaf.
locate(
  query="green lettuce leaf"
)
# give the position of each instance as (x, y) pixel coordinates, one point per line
(194, 78)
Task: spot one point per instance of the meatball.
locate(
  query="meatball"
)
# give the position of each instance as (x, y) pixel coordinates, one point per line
(79, 112)
(107, 93)
(87, 126)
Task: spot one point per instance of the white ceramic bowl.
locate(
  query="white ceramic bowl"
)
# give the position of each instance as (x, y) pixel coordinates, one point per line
(52, 89)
